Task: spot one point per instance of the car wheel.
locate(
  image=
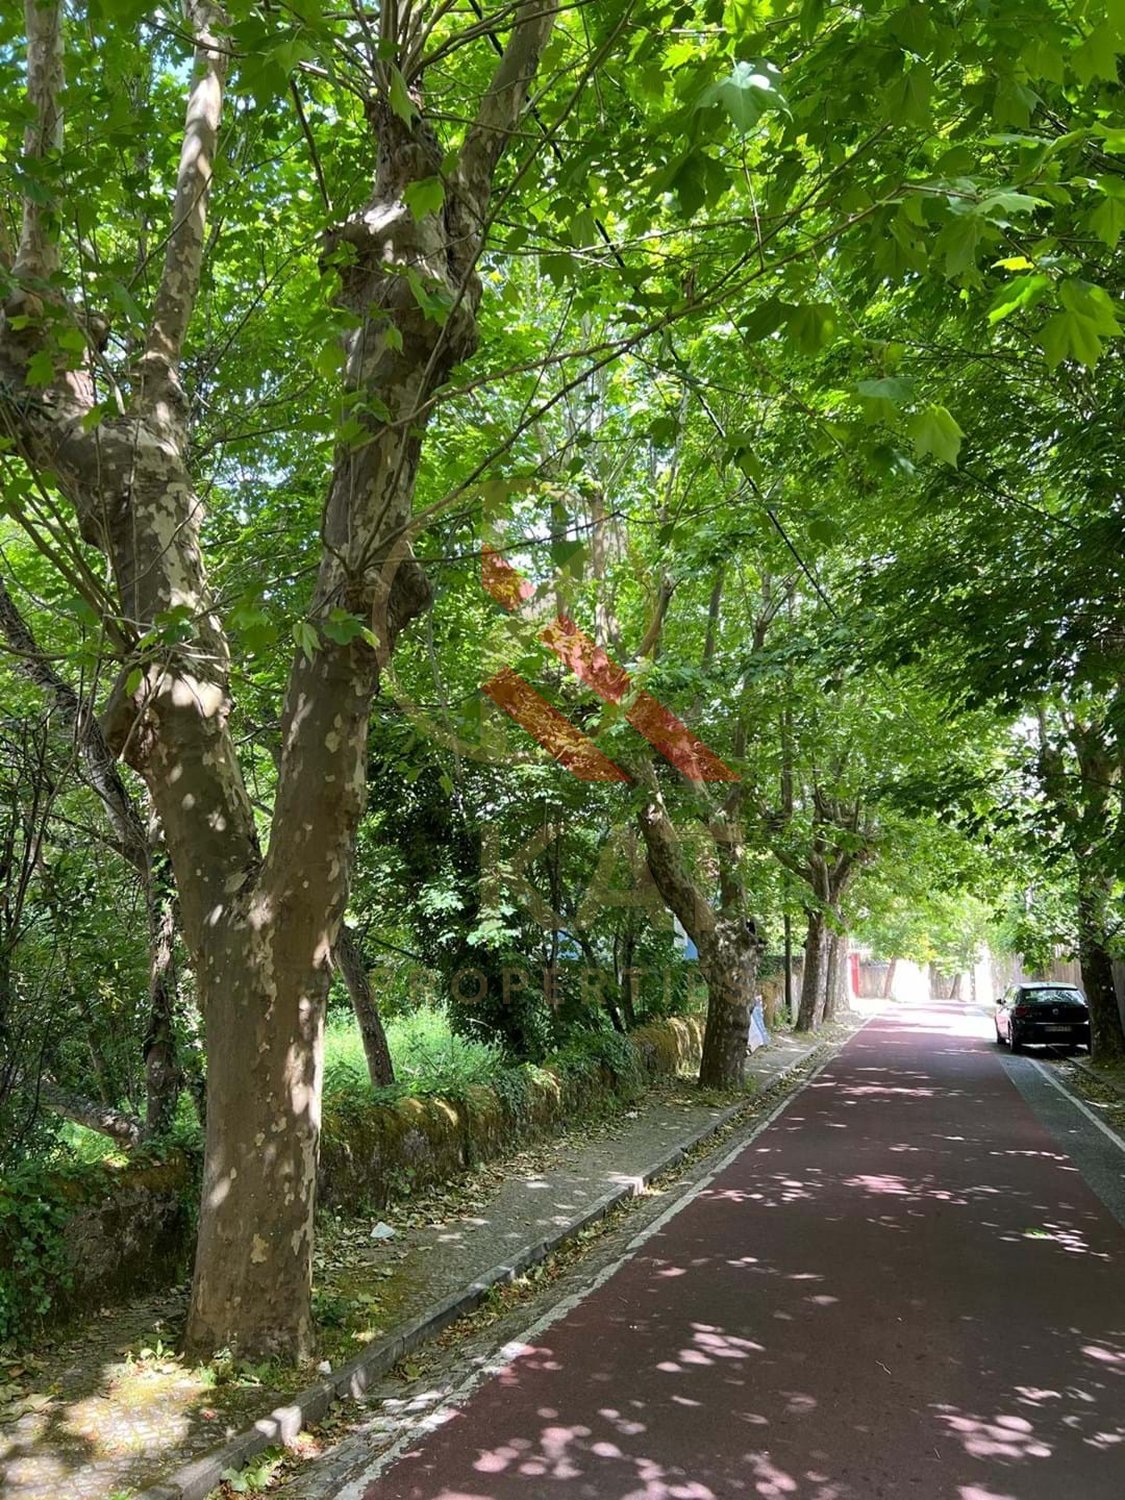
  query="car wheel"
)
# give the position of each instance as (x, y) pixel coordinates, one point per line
(1013, 1039)
(999, 1038)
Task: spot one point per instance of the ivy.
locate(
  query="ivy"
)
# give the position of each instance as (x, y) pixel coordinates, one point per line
(33, 1258)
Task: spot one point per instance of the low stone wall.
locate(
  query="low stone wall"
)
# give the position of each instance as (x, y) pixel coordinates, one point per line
(373, 1153)
(133, 1237)
(77, 1240)
(130, 1229)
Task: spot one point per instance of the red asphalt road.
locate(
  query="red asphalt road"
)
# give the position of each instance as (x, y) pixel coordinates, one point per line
(903, 1288)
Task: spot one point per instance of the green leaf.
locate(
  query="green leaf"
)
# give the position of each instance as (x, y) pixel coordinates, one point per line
(353, 434)
(424, 197)
(1108, 220)
(894, 388)
(688, 183)
(40, 370)
(400, 100)
(664, 429)
(257, 631)
(998, 206)
(1091, 302)
(434, 300)
(908, 98)
(1044, 61)
(1097, 56)
(306, 638)
(174, 626)
(882, 398)
(811, 326)
(1021, 291)
(825, 531)
(1068, 336)
(766, 318)
(330, 359)
(958, 242)
(935, 431)
(1112, 138)
(812, 13)
(342, 627)
(752, 90)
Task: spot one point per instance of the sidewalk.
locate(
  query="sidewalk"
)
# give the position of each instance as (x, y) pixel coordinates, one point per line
(100, 1418)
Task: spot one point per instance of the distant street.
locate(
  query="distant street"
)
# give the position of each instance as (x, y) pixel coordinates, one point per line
(911, 1284)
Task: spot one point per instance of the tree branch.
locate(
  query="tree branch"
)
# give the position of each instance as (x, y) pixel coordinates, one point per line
(502, 105)
(678, 890)
(651, 641)
(126, 1130)
(100, 763)
(37, 255)
(179, 282)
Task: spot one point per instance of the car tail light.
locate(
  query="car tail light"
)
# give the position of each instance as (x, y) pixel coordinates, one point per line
(1023, 1011)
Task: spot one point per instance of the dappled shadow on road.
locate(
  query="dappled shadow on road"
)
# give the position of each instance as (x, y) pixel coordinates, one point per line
(780, 1441)
(902, 1288)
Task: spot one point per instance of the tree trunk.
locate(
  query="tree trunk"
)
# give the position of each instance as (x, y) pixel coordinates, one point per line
(835, 983)
(811, 1008)
(728, 946)
(353, 969)
(263, 999)
(889, 979)
(164, 1077)
(1107, 1040)
(728, 958)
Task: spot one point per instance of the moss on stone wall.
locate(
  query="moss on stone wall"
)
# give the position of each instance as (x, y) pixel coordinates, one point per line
(374, 1152)
(126, 1229)
(108, 1232)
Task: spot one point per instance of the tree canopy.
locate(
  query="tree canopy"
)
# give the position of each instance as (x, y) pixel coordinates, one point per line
(766, 352)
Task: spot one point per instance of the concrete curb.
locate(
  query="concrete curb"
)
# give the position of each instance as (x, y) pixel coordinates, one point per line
(196, 1480)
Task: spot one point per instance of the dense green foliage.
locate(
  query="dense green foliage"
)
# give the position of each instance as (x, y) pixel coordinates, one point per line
(797, 388)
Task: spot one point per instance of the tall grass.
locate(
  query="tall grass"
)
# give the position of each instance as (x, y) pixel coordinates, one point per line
(426, 1053)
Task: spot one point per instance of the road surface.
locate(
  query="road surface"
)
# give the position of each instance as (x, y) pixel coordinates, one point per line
(910, 1285)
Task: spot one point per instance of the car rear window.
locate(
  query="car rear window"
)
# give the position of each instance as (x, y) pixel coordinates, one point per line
(1052, 997)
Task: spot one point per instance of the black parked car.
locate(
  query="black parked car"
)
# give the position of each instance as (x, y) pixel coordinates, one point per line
(1041, 1011)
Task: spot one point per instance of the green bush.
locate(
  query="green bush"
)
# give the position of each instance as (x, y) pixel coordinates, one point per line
(33, 1262)
(606, 1051)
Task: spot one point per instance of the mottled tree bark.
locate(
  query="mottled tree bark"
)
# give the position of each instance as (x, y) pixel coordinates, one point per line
(727, 942)
(828, 871)
(260, 929)
(836, 984)
(810, 1010)
(125, 1129)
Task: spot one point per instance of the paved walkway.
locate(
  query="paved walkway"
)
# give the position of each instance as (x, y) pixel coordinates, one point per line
(911, 1284)
(105, 1420)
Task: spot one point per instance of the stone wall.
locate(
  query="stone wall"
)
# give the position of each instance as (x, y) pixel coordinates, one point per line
(130, 1228)
(374, 1152)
